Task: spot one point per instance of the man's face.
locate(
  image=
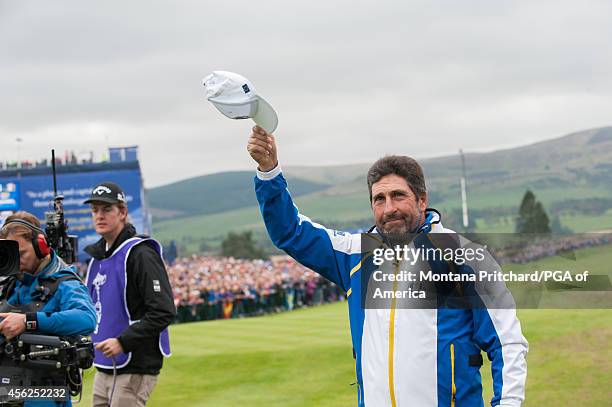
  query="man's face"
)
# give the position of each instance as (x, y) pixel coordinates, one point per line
(108, 219)
(28, 261)
(396, 208)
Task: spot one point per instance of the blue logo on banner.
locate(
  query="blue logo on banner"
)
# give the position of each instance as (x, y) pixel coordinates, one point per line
(9, 196)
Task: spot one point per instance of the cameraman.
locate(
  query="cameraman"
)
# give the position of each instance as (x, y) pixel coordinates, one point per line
(49, 294)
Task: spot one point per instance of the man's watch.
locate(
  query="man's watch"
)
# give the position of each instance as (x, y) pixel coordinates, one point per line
(31, 321)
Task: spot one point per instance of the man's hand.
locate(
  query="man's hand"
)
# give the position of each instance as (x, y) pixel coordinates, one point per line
(110, 347)
(13, 324)
(262, 148)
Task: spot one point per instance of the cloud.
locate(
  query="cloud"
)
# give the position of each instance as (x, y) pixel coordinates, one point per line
(351, 80)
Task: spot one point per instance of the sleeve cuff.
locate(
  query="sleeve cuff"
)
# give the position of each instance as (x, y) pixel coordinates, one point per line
(266, 176)
(43, 322)
(31, 321)
(123, 345)
(509, 403)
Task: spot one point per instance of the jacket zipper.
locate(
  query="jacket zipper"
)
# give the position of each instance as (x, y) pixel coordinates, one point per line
(453, 388)
(391, 341)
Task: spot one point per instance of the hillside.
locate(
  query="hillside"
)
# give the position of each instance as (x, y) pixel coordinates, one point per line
(567, 174)
(213, 193)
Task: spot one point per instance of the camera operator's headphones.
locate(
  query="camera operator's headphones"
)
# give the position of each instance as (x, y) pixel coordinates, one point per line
(39, 237)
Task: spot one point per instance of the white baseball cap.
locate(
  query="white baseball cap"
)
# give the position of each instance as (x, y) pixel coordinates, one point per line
(235, 97)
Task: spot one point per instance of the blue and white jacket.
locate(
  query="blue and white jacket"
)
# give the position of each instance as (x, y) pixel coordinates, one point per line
(404, 357)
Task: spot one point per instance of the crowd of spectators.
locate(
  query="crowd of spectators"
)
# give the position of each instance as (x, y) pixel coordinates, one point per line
(207, 287)
(69, 158)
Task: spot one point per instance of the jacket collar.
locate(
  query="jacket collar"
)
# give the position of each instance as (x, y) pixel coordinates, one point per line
(51, 268)
(98, 250)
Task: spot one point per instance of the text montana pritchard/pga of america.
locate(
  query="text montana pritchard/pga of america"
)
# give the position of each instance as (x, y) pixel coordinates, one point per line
(481, 276)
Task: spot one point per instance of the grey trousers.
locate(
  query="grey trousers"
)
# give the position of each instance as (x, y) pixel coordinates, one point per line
(130, 390)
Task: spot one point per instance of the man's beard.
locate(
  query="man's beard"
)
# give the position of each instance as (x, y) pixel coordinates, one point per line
(398, 228)
(409, 224)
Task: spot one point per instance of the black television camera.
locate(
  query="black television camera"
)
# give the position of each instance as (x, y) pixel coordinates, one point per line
(9, 259)
(56, 227)
(41, 360)
(38, 360)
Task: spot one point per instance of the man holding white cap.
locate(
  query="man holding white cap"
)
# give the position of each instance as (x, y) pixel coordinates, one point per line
(404, 357)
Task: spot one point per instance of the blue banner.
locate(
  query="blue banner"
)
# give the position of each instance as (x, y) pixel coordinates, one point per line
(9, 196)
(34, 193)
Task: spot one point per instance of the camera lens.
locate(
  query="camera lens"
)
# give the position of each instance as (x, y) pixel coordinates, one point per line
(9, 257)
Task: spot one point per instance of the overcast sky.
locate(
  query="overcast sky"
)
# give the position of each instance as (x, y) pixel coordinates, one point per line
(350, 80)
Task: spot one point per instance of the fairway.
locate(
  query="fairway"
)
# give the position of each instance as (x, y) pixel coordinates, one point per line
(299, 358)
(303, 358)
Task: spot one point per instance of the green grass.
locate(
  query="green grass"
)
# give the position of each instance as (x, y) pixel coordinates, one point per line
(570, 357)
(583, 223)
(303, 358)
(300, 358)
(200, 195)
(317, 206)
(209, 226)
(490, 196)
(578, 223)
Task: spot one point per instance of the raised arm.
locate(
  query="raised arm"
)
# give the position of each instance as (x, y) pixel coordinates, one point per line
(323, 250)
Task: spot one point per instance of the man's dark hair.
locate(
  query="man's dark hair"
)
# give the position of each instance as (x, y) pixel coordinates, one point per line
(401, 165)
